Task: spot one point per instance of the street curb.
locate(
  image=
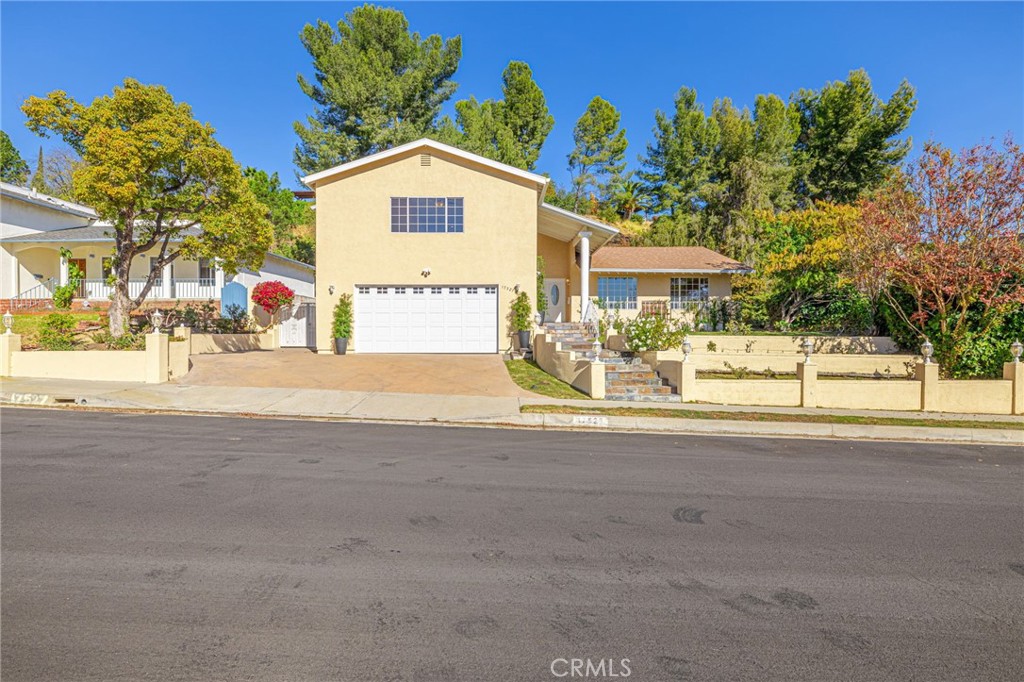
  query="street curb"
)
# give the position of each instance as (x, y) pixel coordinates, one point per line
(585, 422)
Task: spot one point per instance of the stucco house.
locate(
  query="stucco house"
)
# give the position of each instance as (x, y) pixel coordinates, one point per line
(434, 243)
(35, 227)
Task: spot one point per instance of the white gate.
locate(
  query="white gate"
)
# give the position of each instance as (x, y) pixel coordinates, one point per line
(298, 326)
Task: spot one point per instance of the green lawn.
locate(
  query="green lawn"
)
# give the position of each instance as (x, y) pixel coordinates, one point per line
(529, 376)
(770, 417)
(28, 323)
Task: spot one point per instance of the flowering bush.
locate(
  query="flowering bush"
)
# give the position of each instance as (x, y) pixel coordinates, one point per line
(272, 296)
(654, 332)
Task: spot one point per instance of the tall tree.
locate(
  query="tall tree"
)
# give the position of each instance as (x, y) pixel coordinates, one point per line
(679, 161)
(849, 137)
(511, 130)
(155, 172)
(376, 85)
(13, 168)
(39, 176)
(288, 214)
(599, 157)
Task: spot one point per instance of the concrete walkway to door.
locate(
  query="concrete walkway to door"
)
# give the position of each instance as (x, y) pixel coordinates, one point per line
(473, 375)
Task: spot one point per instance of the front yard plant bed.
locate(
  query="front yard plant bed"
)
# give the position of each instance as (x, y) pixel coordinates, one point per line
(529, 376)
(770, 417)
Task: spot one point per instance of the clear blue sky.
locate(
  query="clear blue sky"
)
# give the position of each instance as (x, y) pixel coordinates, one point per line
(236, 63)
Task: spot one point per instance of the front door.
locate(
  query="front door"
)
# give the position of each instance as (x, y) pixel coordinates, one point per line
(80, 264)
(555, 290)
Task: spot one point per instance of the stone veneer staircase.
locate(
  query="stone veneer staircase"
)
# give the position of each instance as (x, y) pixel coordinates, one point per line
(626, 377)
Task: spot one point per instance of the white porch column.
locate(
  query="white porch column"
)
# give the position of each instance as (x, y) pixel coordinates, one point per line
(218, 279)
(584, 274)
(63, 270)
(12, 258)
(165, 285)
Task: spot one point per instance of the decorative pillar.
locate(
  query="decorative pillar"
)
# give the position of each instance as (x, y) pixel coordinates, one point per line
(15, 267)
(9, 345)
(158, 368)
(584, 274)
(166, 284)
(1014, 371)
(63, 270)
(218, 279)
(807, 373)
(928, 375)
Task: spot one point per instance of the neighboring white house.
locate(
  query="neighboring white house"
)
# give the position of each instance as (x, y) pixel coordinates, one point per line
(35, 227)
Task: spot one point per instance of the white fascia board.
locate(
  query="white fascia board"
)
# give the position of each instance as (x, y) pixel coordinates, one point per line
(46, 201)
(589, 222)
(675, 271)
(311, 180)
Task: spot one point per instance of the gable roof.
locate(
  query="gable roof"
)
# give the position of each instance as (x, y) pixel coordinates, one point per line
(426, 143)
(664, 259)
(30, 196)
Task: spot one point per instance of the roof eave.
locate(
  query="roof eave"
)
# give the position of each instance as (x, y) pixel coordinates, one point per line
(311, 180)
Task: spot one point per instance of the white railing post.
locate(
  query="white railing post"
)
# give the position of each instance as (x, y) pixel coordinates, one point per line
(63, 269)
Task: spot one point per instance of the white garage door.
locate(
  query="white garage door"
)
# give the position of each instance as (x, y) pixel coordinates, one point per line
(416, 319)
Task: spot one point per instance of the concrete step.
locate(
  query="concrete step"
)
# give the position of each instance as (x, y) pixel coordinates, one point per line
(645, 398)
(638, 390)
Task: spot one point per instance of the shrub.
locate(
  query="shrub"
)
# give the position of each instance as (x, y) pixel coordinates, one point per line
(341, 325)
(63, 295)
(272, 296)
(236, 321)
(542, 296)
(654, 332)
(57, 332)
(521, 314)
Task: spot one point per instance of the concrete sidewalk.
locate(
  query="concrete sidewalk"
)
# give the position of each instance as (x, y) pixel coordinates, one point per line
(476, 410)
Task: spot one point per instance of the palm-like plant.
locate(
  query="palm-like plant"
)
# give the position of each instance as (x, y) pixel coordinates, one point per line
(629, 198)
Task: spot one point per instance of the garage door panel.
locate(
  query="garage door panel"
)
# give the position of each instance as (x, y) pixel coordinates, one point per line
(408, 319)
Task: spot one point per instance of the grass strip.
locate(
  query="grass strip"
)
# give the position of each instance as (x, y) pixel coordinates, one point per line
(529, 376)
(770, 417)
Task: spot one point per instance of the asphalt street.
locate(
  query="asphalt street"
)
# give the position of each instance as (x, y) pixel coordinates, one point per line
(190, 548)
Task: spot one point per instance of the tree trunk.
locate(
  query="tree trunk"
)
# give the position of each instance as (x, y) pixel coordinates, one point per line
(121, 304)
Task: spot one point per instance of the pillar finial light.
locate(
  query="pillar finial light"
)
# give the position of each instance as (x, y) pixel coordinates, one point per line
(927, 351)
(1016, 348)
(808, 347)
(156, 319)
(8, 321)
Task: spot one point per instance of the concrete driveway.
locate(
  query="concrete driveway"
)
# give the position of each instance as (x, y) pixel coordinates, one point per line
(482, 375)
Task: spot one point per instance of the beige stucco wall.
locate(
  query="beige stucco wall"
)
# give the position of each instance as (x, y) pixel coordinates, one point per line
(126, 365)
(205, 344)
(975, 397)
(749, 392)
(869, 395)
(755, 343)
(576, 371)
(355, 245)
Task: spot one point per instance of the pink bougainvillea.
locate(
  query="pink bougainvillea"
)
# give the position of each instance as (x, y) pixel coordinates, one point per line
(272, 296)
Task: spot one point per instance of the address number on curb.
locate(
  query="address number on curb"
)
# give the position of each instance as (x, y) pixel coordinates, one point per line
(589, 420)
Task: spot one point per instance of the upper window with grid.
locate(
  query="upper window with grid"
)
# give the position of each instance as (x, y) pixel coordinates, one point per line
(426, 214)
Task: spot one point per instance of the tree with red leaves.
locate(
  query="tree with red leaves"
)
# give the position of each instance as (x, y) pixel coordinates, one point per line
(272, 296)
(947, 237)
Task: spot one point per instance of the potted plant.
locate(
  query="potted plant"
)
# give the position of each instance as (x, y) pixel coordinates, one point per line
(521, 319)
(341, 326)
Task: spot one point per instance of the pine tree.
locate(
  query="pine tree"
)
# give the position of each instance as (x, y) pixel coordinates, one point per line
(376, 86)
(39, 177)
(599, 157)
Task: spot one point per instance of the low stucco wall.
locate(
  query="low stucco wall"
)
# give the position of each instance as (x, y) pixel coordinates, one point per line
(975, 397)
(866, 365)
(203, 344)
(577, 372)
(110, 365)
(783, 392)
(869, 395)
(177, 358)
(753, 343)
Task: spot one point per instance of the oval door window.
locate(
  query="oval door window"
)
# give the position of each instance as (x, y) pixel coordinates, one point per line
(554, 294)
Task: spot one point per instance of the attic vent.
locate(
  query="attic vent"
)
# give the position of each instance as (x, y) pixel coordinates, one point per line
(424, 159)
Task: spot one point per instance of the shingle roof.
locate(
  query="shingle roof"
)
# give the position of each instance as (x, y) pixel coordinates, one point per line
(694, 259)
(90, 233)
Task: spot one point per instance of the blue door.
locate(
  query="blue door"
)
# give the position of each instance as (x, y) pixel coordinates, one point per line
(233, 294)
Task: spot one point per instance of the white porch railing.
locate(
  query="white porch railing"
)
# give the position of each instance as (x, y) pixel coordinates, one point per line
(189, 289)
